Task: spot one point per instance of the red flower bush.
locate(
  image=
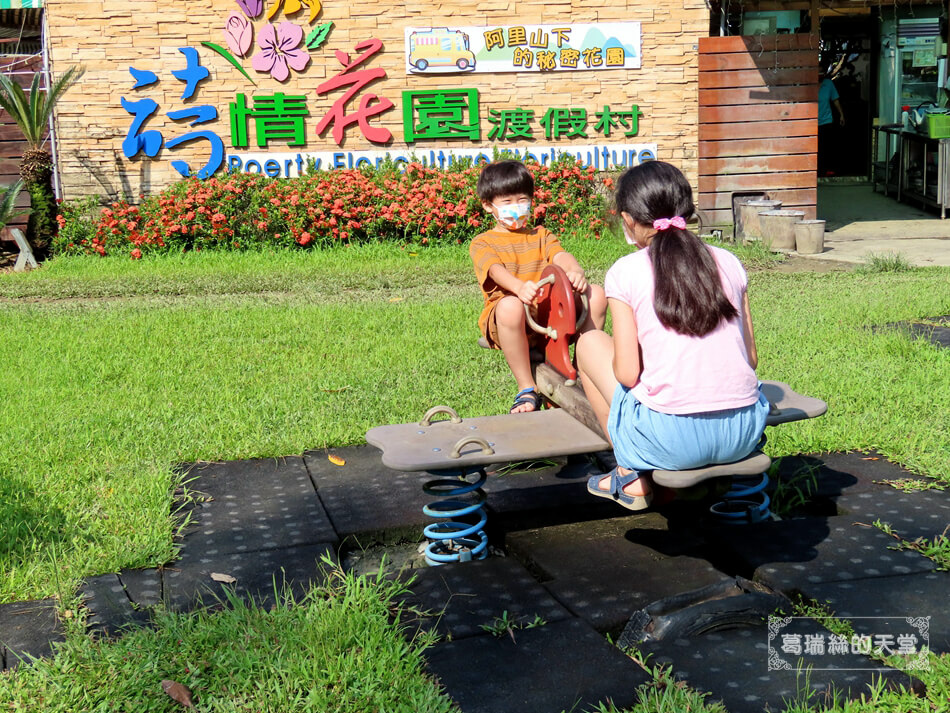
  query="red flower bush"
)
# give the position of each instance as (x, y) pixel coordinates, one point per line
(418, 205)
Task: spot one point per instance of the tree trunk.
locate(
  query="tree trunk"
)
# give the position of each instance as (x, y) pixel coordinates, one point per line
(37, 173)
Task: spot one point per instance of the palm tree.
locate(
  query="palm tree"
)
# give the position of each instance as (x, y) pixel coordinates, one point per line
(32, 114)
(8, 210)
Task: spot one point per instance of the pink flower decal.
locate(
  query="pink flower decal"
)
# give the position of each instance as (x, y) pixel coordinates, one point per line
(251, 8)
(279, 50)
(238, 32)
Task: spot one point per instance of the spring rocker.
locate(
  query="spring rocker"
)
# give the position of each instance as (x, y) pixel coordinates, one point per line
(456, 451)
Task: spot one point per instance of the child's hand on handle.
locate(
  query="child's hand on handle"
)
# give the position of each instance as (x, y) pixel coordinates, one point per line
(578, 280)
(528, 292)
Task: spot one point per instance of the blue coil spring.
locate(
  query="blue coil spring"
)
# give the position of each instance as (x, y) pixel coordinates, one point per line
(745, 502)
(455, 540)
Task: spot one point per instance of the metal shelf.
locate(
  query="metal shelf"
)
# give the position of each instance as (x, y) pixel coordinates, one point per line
(910, 144)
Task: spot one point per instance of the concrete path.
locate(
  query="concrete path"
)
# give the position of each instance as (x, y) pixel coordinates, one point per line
(880, 239)
(527, 628)
(862, 222)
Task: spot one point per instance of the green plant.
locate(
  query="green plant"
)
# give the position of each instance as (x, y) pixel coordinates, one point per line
(664, 693)
(936, 548)
(884, 262)
(807, 698)
(32, 115)
(507, 624)
(77, 223)
(336, 648)
(794, 491)
(8, 197)
(913, 485)
(524, 466)
(406, 204)
(754, 255)
(803, 606)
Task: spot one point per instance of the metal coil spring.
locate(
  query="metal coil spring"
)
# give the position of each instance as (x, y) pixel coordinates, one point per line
(745, 502)
(454, 540)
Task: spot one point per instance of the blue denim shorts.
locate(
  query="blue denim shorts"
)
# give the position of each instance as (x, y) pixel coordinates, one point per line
(645, 439)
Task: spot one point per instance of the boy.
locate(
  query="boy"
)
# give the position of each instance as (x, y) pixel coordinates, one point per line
(508, 262)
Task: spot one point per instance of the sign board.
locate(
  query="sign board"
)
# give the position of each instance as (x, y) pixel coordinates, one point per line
(523, 48)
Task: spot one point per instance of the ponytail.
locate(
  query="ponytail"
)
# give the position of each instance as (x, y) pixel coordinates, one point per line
(688, 297)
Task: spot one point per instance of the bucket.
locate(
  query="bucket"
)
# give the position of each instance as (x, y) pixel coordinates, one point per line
(809, 236)
(739, 198)
(748, 228)
(778, 228)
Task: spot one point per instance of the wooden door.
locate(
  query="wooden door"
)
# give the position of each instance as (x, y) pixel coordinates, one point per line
(758, 121)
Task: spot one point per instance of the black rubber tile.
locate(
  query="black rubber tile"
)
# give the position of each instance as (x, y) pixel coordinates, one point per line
(559, 490)
(255, 505)
(607, 602)
(602, 572)
(143, 586)
(563, 666)
(855, 485)
(226, 525)
(367, 501)
(459, 599)
(868, 469)
(894, 600)
(734, 666)
(830, 475)
(793, 555)
(918, 514)
(110, 609)
(940, 336)
(243, 479)
(824, 476)
(28, 630)
(188, 582)
(937, 335)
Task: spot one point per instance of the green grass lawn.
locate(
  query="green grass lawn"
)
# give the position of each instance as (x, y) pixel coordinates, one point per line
(116, 371)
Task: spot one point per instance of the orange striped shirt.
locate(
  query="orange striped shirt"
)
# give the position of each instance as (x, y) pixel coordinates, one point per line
(524, 253)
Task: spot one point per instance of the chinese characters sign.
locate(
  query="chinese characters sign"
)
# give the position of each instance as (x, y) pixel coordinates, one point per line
(265, 119)
(523, 48)
(150, 141)
(443, 114)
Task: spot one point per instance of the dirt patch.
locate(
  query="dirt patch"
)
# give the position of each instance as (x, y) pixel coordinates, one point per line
(796, 263)
(792, 263)
(7, 257)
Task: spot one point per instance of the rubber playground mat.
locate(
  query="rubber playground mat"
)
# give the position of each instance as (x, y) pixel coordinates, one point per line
(530, 627)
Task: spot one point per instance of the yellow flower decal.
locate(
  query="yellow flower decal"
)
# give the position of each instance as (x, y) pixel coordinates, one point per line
(292, 6)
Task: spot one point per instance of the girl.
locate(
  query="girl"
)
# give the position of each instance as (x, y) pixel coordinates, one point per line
(675, 387)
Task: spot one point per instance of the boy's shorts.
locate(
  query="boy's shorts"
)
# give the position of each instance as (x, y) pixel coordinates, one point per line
(535, 340)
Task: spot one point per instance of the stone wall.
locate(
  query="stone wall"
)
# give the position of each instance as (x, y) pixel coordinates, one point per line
(110, 36)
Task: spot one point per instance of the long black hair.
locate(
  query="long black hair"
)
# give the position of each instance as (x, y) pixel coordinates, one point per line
(688, 297)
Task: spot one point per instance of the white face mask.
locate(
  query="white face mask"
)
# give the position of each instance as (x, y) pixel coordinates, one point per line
(513, 215)
(628, 236)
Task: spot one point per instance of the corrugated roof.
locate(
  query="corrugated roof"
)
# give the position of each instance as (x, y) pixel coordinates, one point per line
(28, 18)
(20, 29)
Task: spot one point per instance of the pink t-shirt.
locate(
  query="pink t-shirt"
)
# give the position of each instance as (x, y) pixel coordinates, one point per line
(683, 374)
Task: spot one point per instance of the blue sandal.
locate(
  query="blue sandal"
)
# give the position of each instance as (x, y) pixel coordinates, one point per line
(615, 493)
(527, 396)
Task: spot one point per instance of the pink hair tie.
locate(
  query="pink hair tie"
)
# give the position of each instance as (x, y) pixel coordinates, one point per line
(665, 223)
